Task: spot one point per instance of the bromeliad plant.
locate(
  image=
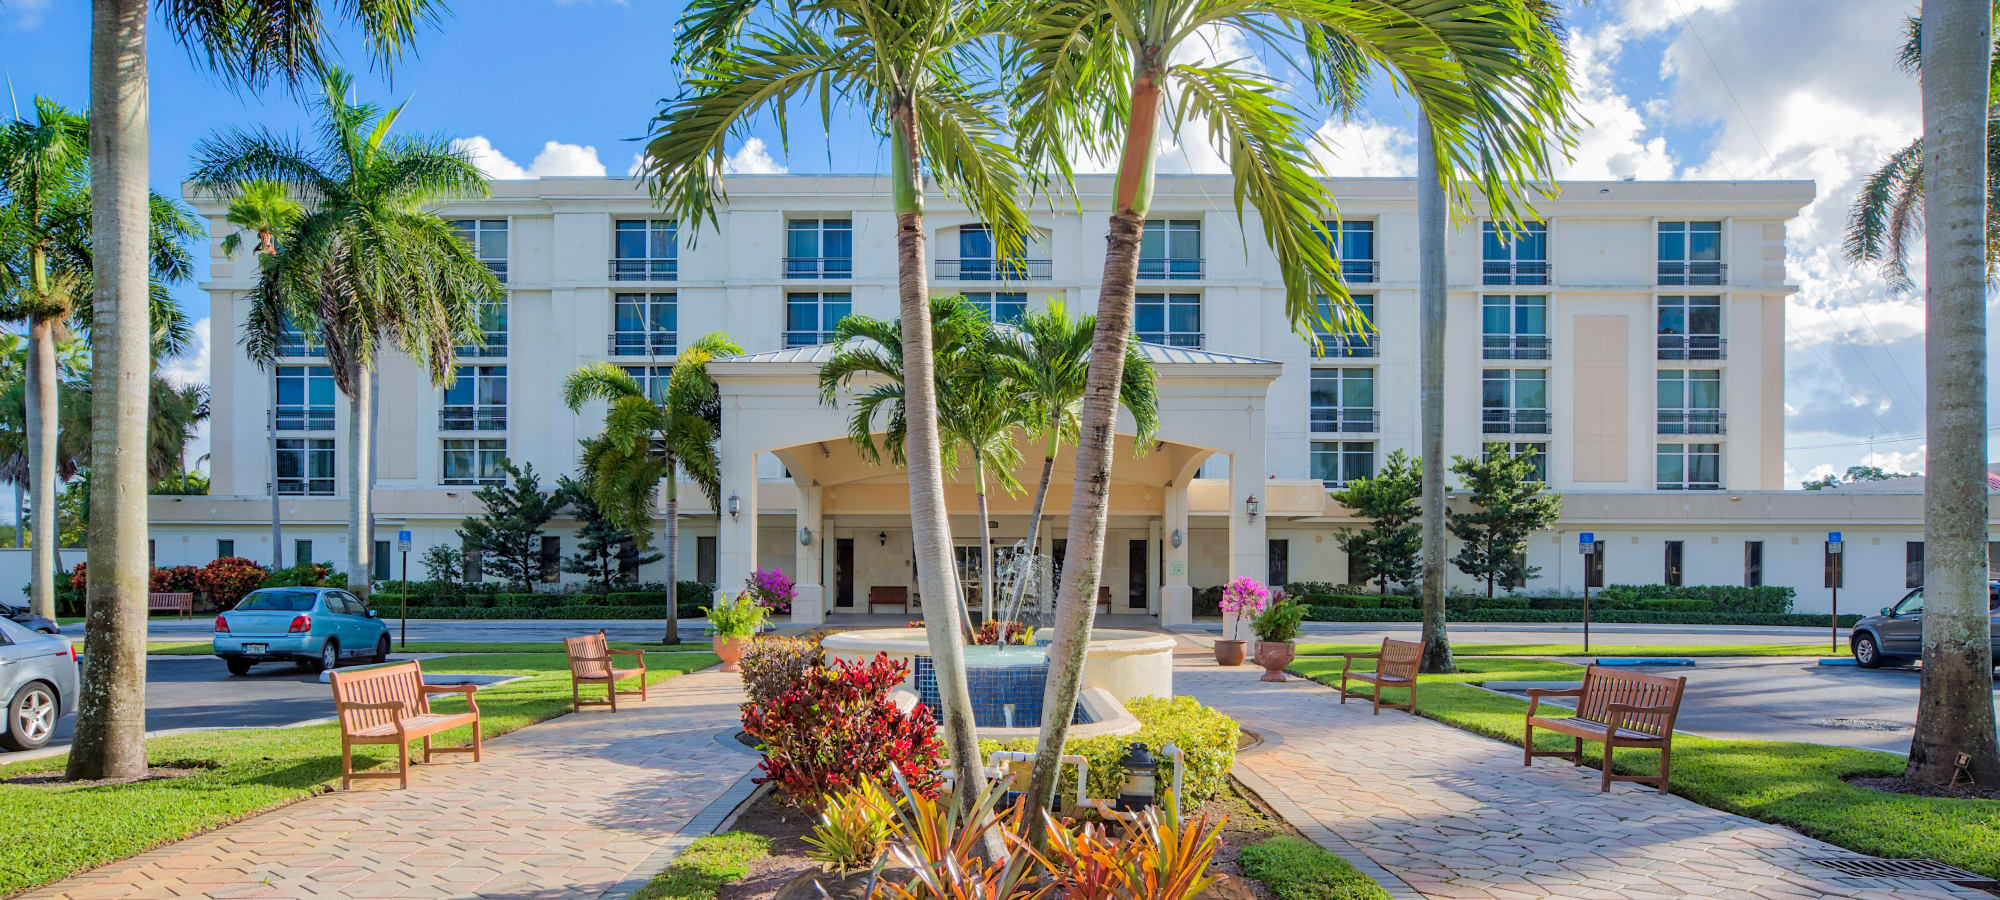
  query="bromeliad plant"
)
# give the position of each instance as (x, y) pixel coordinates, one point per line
(837, 729)
(1244, 597)
(854, 829)
(1017, 633)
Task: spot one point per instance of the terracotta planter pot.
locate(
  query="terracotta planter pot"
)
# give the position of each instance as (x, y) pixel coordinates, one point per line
(1274, 656)
(731, 650)
(1229, 653)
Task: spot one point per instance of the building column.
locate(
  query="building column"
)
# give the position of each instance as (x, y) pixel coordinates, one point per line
(1154, 560)
(1249, 552)
(1176, 597)
(809, 568)
(736, 535)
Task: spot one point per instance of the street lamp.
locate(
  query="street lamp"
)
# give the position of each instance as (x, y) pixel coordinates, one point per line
(1251, 507)
(735, 507)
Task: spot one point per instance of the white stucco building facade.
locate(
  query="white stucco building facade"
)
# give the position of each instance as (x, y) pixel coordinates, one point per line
(1636, 339)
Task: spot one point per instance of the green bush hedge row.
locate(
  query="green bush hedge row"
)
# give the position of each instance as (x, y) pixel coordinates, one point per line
(1206, 736)
(580, 611)
(485, 595)
(1632, 616)
(1720, 599)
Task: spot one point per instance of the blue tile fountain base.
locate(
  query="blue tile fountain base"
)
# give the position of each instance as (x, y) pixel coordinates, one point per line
(996, 688)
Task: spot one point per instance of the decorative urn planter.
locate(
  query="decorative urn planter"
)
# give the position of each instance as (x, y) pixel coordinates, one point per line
(1229, 653)
(731, 650)
(1274, 656)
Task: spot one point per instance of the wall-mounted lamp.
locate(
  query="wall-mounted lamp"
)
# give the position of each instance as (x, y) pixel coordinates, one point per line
(1251, 507)
(735, 507)
(883, 538)
(805, 537)
(1177, 537)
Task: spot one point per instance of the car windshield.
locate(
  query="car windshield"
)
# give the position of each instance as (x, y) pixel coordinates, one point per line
(278, 601)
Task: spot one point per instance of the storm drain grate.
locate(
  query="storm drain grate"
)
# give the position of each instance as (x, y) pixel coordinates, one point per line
(1913, 869)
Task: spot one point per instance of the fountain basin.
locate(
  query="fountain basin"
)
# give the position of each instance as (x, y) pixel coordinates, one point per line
(1124, 663)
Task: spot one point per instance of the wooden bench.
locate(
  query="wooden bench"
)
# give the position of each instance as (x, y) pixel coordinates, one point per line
(1104, 598)
(1395, 667)
(590, 663)
(391, 705)
(895, 595)
(173, 603)
(1616, 709)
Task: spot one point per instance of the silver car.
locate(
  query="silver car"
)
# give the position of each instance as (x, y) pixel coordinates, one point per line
(38, 682)
(1896, 635)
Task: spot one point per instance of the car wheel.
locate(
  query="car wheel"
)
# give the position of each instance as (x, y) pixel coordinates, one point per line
(329, 657)
(1866, 654)
(31, 717)
(382, 649)
(238, 666)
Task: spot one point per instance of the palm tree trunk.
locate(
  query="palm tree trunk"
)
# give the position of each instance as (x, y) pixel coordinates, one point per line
(1089, 503)
(930, 530)
(1035, 518)
(277, 529)
(673, 635)
(360, 477)
(1955, 707)
(987, 585)
(1431, 309)
(110, 737)
(41, 415)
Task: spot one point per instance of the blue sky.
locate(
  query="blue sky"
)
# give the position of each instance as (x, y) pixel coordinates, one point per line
(1673, 89)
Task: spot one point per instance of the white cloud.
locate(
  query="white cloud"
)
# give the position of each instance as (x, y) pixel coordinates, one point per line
(193, 367)
(753, 158)
(24, 14)
(1616, 143)
(1365, 148)
(556, 159)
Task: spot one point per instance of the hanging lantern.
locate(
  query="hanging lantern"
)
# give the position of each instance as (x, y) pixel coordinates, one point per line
(1141, 779)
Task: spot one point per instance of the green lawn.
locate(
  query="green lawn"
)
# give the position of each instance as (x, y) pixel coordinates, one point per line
(1798, 785)
(705, 866)
(1596, 649)
(1296, 869)
(205, 648)
(51, 831)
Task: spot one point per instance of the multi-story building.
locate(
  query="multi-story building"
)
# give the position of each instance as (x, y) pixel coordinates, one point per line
(1635, 338)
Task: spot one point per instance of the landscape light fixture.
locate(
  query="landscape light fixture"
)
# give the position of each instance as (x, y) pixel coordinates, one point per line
(1141, 778)
(735, 507)
(805, 537)
(1177, 537)
(882, 538)
(1251, 507)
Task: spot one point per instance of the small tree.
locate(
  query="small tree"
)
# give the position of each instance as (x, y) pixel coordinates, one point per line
(600, 543)
(442, 565)
(1509, 502)
(1390, 547)
(508, 535)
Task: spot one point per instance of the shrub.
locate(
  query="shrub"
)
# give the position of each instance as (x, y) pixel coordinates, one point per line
(739, 618)
(854, 829)
(1639, 616)
(837, 729)
(1206, 738)
(1016, 633)
(226, 580)
(306, 574)
(176, 580)
(1716, 598)
(1280, 623)
(771, 665)
(1297, 869)
(772, 590)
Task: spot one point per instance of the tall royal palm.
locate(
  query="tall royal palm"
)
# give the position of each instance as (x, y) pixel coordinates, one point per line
(914, 68)
(979, 408)
(1100, 75)
(366, 260)
(649, 438)
(265, 209)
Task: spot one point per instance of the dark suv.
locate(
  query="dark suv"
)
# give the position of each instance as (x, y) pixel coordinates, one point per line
(1897, 635)
(28, 620)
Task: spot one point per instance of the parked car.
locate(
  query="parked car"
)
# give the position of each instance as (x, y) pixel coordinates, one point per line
(317, 626)
(1897, 634)
(38, 682)
(21, 615)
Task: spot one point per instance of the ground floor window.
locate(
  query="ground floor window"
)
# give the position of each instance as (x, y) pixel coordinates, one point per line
(1338, 462)
(302, 552)
(1672, 572)
(1753, 563)
(704, 559)
(305, 466)
(474, 461)
(381, 561)
(1279, 559)
(1689, 467)
(471, 559)
(1913, 564)
(551, 559)
(225, 549)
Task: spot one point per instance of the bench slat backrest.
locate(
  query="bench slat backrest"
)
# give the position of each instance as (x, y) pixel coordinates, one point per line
(399, 683)
(589, 655)
(1400, 659)
(1604, 688)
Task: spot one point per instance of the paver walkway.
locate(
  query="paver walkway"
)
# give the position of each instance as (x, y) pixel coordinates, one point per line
(1456, 815)
(567, 809)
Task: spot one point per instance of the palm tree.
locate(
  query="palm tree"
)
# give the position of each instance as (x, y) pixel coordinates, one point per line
(1096, 74)
(1955, 708)
(1432, 314)
(647, 441)
(267, 209)
(366, 259)
(913, 67)
(979, 407)
(1048, 358)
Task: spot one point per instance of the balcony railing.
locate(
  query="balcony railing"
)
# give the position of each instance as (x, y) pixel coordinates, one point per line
(819, 267)
(293, 346)
(993, 270)
(642, 343)
(1525, 271)
(1515, 346)
(1177, 269)
(1173, 339)
(1693, 272)
(498, 267)
(645, 269)
(1691, 421)
(305, 487)
(495, 345)
(305, 418)
(1344, 420)
(1347, 346)
(808, 338)
(472, 418)
(1514, 421)
(1360, 270)
(1693, 346)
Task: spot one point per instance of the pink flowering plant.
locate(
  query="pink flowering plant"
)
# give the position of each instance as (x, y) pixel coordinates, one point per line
(772, 590)
(1243, 598)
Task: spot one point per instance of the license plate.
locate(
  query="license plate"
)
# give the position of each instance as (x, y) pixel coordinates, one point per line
(253, 648)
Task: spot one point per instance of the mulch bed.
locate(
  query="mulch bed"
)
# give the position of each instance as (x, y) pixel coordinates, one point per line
(1900, 785)
(55, 779)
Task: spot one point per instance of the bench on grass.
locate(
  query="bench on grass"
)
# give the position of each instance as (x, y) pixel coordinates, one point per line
(894, 595)
(182, 604)
(392, 705)
(590, 663)
(1395, 667)
(1616, 709)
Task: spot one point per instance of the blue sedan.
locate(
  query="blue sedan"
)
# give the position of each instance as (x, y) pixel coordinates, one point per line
(317, 626)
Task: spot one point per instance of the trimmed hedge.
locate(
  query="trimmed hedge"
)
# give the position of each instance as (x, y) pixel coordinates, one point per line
(1625, 616)
(1716, 599)
(534, 612)
(1206, 736)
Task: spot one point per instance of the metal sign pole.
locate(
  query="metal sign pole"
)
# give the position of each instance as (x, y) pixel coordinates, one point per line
(403, 544)
(1835, 557)
(1586, 544)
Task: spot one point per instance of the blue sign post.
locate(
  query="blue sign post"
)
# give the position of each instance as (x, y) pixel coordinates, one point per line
(1834, 572)
(1586, 544)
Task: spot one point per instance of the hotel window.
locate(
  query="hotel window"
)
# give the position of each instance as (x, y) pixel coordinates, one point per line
(819, 248)
(704, 559)
(1688, 467)
(1690, 328)
(645, 324)
(1593, 567)
(1514, 327)
(1336, 463)
(488, 238)
(1343, 401)
(1753, 563)
(1913, 564)
(305, 467)
(1170, 319)
(225, 549)
(1353, 245)
(1005, 307)
(1334, 344)
(1519, 258)
(302, 552)
(305, 398)
(810, 318)
(476, 401)
(492, 330)
(652, 379)
(470, 557)
(380, 560)
(1171, 249)
(1514, 401)
(551, 560)
(1691, 253)
(292, 342)
(1690, 401)
(474, 461)
(1540, 459)
(628, 562)
(1672, 572)
(646, 250)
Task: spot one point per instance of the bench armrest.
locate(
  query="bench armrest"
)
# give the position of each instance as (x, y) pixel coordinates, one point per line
(1535, 696)
(395, 709)
(640, 654)
(471, 692)
(1347, 662)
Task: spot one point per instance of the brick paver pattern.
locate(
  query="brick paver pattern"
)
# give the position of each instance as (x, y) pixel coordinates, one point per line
(565, 809)
(1456, 815)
